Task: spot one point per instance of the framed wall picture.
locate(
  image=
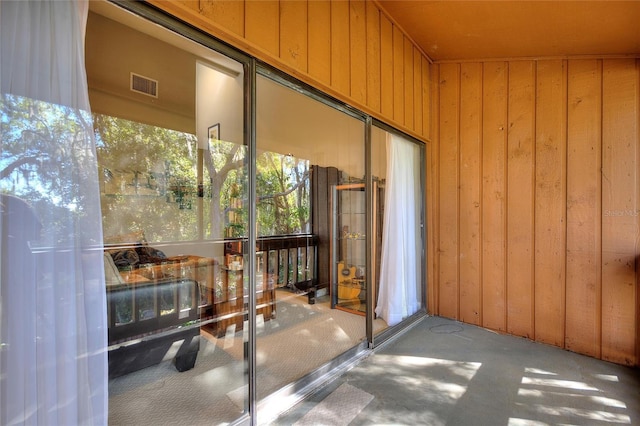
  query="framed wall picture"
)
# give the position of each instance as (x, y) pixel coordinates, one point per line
(214, 134)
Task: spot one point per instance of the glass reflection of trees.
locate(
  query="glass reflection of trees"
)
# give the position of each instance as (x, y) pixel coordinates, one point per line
(46, 154)
(149, 182)
(283, 185)
(148, 179)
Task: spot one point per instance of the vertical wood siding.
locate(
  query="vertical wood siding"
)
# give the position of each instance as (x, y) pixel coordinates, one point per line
(358, 50)
(293, 35)
(227, 13)
(532, 186)
(494, 186)
(620, 207)
(340, 53)
(374, 62)
(386, 67)
(448, 201)
(433, 194)
(267, 35)
(520, 196)
(584, 147)
(349, 48)
(470, 193)
(550, 201)
(538, 194)
(319, 20)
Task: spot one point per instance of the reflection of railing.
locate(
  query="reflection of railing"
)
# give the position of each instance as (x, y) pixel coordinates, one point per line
(288, 261)
(139, 309)
(148, 318)
(292, 259)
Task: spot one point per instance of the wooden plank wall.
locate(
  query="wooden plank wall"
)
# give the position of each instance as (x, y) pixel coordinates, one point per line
(533, 185)
(349, 49)
(538, 201)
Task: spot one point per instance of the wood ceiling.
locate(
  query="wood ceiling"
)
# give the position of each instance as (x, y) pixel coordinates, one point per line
(464, 30)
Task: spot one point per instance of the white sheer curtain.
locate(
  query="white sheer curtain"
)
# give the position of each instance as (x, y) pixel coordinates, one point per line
(52, 301)
(400, 270)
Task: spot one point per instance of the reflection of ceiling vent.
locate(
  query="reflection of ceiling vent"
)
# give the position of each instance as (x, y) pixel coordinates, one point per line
(144, 85)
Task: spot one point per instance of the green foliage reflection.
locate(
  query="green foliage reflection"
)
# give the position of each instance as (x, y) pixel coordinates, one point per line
(150, 182)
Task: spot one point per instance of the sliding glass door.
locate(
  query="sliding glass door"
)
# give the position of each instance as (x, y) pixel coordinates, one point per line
(257, 234)
(169, 117)
(305, 149)
(397, 174)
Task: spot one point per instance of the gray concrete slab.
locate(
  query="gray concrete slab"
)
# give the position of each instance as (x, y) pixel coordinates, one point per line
(442, 372)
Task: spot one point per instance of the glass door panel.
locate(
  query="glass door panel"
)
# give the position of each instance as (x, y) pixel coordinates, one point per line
(172, 159)
(304, 149)
(397, 169)
(349, 284)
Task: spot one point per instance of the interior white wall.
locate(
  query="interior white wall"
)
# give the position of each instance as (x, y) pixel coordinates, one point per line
(199, 88)
(289, 122)
(114, 51)
(219, 99)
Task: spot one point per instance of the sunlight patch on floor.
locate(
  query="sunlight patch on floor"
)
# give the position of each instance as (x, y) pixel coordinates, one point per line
(595, 415)
(460, 368)
(565, 384)
(563, 398)
(607, 377)
(439, 383)
(596, 399)
(529, 370)
(525, 422)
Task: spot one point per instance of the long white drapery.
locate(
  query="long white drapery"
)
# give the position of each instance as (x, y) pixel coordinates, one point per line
(400, 270)
(52, 301)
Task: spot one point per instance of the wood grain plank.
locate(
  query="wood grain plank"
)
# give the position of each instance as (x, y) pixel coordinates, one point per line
(358, 49)
(432, 293)
(620, 209)
(386, 66)
(637, 316)
(470, 193)
(373, 56)
(319, 40)
(520, 199)
(493, 195)
(551, 201)
(191, 4)
(427, 104)
(398, 75)
(408, 84)
(262, 24)
(293, 33)
(449, 88)
(584, 147)
(229, 14)
(417, 92)
(340, 54)
(433, 193)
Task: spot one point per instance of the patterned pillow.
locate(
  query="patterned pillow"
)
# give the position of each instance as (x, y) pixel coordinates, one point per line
(125, 258)
(149, 254)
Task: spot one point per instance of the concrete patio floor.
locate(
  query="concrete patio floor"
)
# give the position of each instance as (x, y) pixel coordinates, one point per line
(442, 372)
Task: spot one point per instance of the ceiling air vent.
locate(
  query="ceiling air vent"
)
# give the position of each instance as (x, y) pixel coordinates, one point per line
(144, 85)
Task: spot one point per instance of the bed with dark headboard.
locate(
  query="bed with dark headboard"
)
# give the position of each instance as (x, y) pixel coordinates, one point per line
(152, 307)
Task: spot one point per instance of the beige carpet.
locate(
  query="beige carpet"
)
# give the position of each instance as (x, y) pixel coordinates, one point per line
(298, 340)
